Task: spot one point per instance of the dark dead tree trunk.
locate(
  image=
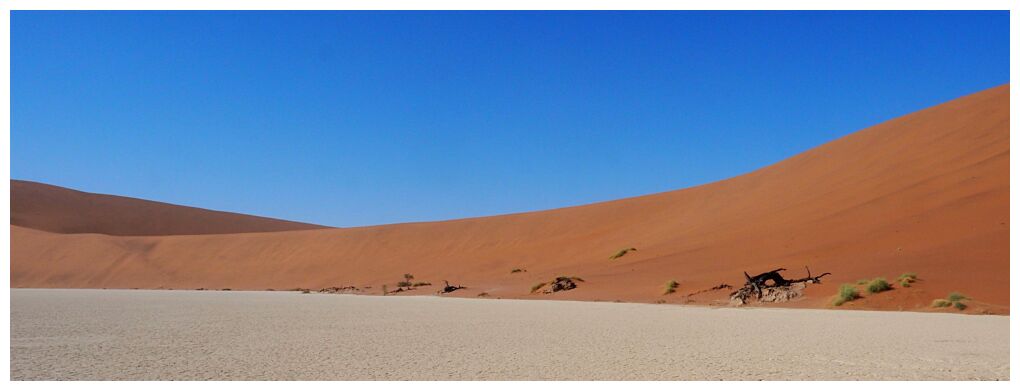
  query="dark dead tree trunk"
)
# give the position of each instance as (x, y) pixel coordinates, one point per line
(447, 288)
(773, 285)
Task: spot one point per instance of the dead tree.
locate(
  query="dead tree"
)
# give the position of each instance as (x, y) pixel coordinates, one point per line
(449, 288)
(772, 286)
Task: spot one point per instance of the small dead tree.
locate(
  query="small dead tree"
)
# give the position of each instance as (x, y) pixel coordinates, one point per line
(447, 288)
(772, 287)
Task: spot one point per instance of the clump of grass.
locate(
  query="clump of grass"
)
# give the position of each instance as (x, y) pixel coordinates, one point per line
(385, 290)
(671, 287)
(954, 299)
(483, 294)
(878, 285)
(956, 296)
(404, 284)
(421, 283)
(906, 279)
(517, 271)
(537, 286)
(846, 293)
(863, 281)
(575, 278)
(622, 252)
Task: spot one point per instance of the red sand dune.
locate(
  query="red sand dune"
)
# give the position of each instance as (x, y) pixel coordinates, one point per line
(926, 193)
(61, 210)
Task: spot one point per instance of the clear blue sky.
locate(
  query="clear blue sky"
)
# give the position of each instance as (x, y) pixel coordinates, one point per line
(349, 119)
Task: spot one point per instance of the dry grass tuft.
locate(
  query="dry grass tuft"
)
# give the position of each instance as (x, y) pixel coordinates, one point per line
(846, 293)
(622, 252)
(537, 286)
(671, 286)
(879, 285)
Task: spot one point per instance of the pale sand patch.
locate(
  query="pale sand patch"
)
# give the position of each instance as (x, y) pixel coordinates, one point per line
(115, 334)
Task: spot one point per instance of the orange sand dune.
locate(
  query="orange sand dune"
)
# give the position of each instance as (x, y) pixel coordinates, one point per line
(926, 193)
(57, 209)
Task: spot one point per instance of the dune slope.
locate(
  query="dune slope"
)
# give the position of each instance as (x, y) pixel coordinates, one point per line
(61, 210)
(926, 193)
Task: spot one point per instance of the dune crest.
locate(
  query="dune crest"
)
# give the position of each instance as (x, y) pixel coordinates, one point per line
(61, 210)
(926, 193)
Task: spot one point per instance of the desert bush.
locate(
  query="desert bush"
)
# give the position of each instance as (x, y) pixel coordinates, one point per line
(906, 279)
(385, 290)
(846, 293)
(404, 284)
(537, 286)
(671, 287)
(956, 296)
(516, 271)
(622, 252)
(422, 283)
(879, 285)
(954, 299)
(575, 278)
(483, 294)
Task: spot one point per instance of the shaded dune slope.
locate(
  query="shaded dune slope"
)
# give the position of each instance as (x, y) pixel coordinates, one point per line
(925, 193)
(61, 210)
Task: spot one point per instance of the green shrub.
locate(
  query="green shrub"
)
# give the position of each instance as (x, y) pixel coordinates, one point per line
(671, 287)
(956, 296)
(846, 293)
(622, 252)
(954, 299)
(906, 279)
(879, 285)
(537, 287)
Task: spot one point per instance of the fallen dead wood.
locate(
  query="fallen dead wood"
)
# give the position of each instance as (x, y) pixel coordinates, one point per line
(561, 283)
(449, 288)
(772, 287)
(339, 289)
(714, 288)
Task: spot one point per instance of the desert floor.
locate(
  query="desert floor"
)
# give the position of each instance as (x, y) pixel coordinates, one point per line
(136, 334)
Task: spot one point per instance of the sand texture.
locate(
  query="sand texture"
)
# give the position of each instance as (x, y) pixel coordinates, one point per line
(112, 334)
(926, 193)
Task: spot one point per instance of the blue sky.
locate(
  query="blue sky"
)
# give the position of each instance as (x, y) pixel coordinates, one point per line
(346, 119)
